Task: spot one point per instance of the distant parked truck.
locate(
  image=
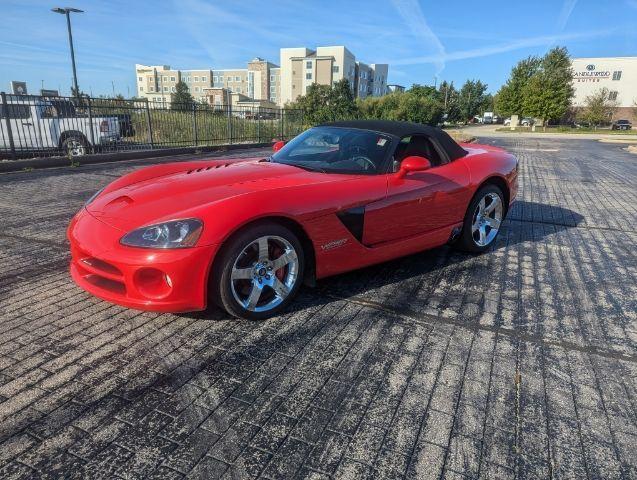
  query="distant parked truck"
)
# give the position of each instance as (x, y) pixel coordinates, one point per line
(487, 118)
(35, 124)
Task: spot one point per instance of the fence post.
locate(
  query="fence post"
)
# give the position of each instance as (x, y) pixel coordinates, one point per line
(90, 124)
(8, 122)
(150, 125)
(229, 120)
(259, 124)
(281, 113)
(194, 123)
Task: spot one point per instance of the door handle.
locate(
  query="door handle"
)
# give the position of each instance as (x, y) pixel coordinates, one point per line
(28, 124)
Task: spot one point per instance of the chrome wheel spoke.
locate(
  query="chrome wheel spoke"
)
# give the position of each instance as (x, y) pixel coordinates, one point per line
(494, 223)
(263, 248)
(241, 273)
(482, 232)
(283, 260)
(481, 206)
(252, 300)
(280, 288)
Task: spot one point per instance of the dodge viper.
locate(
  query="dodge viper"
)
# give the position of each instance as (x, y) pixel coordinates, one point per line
(245, 233)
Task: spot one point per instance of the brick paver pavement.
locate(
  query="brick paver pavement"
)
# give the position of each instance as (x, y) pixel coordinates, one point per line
(519, 363)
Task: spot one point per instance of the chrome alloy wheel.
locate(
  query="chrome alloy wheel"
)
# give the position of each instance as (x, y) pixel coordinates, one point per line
(264, 273)
(487, 218)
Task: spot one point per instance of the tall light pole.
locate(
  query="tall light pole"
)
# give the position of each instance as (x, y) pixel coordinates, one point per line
(67, 11)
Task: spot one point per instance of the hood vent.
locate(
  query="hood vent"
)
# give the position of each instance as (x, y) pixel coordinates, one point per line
(205, 169)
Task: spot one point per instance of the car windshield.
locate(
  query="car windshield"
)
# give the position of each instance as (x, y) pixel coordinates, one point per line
(336, 150)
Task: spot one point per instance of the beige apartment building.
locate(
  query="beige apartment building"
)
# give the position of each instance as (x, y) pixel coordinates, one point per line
(264, 82)
(301, 67)
(259, 81)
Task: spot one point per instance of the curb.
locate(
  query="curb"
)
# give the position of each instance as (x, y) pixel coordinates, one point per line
(48, 162)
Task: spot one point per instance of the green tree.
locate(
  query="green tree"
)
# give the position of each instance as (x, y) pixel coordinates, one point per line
(471, 99)
(423, 91)
(407, 106)
(181, 99)
(549, 91)
(598, 108)
(323, 103)
(510, 98)
(448, 96)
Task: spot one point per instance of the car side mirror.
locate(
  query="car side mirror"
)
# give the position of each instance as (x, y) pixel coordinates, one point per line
(278, 145)
(413, 163)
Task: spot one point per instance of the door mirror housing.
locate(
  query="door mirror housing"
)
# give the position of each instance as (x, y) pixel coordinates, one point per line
(278, 145)
(414, 163)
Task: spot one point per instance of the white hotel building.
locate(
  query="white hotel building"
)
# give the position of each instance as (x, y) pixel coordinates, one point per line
(617, 74)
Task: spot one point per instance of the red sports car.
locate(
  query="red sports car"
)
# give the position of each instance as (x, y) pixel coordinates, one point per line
(245, 233)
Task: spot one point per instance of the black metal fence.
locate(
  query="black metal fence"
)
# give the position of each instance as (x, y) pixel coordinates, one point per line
(35, 126)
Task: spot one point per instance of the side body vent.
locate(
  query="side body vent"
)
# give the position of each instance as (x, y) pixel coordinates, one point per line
(354, 220)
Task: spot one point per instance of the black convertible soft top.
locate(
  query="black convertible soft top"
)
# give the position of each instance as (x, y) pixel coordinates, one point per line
(405, 129)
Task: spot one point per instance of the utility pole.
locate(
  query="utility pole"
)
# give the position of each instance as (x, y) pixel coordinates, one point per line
(67, 11)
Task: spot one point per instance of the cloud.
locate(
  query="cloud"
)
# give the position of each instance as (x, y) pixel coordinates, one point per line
(567, 9)
(497, 49)
(412, 15)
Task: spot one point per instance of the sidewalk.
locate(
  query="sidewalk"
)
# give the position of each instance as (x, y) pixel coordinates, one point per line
(491, 131)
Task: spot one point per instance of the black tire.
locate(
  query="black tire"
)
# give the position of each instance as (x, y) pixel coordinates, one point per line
(466, 240)
(75, 145)
(221, 286)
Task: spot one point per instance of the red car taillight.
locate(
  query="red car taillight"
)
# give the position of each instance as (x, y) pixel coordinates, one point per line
(104, 126)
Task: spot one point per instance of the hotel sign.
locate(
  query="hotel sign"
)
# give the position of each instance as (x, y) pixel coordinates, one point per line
(591, 74)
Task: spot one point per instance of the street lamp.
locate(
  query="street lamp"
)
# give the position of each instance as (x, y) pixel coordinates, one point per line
(67, 11)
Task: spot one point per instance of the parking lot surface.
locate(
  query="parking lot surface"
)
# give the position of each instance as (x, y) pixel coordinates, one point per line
(518, 363)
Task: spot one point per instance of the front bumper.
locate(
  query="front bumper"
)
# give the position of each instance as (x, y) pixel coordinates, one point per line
(159, 280)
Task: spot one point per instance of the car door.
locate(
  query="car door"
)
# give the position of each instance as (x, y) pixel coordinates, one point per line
(23, 126)
(418, 202)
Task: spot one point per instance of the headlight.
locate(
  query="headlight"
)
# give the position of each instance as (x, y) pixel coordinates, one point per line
(90, 200)
(173, 234)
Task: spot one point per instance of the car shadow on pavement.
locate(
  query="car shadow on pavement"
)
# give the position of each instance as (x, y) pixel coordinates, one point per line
(399, 278)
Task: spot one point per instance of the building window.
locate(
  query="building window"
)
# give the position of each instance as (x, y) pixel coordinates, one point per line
(307, 89)
(172, 89)
(141, 89)
(165, 89)
(272, 89)
(335, 68)
(308, 76)
(172, 79)
(152, 89)
(196, 79)
(237, 79)
(164, 79)
(196, 89)
(221, 79)
(308, 64)
(617, 75)
(141, 79)
(612, 95)
(203, 79)
(189, 79)
(272, 78)
(214, 79)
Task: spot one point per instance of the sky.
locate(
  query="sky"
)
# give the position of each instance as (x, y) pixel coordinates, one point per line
(424, 41)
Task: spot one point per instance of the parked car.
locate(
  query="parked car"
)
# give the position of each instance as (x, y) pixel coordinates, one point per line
(622, 125)
(507, 121)
(527, 122)
(37, 125)
(246, 233)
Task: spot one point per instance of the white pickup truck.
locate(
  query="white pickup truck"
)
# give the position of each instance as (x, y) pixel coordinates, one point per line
(36, 125)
